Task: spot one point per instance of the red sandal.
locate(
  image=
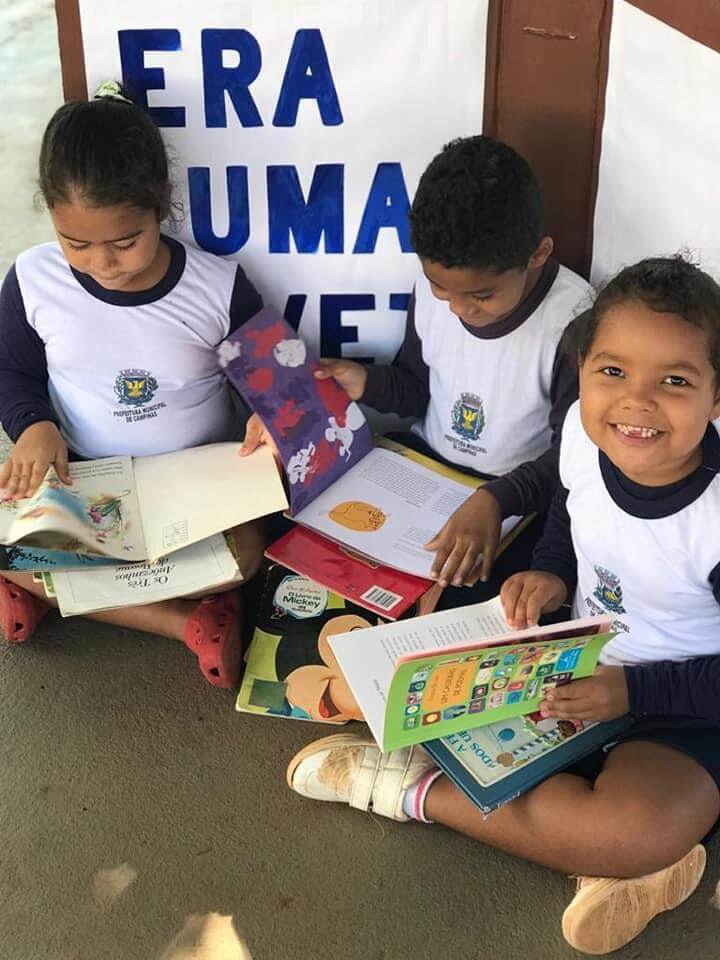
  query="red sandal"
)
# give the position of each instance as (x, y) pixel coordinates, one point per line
(20, 612)
(213, 634)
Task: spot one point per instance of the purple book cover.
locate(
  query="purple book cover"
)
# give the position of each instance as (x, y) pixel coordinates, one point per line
(319, 431)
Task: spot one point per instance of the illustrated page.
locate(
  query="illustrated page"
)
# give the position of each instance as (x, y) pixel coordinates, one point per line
(319, 431)
(388, 507)
(98, 513)
(493, 752)
(450, 692)
(368, 666)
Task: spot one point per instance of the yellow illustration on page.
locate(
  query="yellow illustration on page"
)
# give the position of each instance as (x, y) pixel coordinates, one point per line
(359, 516)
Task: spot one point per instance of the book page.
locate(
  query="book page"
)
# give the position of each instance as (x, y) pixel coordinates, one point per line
(98, 513)
(388, 507)
(319, 431)
(446, 692)
(191, 494)
(369, 662)
(200, 567)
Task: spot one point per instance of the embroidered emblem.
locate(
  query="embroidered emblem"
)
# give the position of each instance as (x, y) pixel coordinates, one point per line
(608, 591)
(135, 387)
(468, 417)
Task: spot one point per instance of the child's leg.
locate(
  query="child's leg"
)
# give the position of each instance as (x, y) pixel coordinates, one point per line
(650, 805)
(183, 618)
(641, 819)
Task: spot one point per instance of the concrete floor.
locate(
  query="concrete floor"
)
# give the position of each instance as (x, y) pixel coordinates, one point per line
(116, 756)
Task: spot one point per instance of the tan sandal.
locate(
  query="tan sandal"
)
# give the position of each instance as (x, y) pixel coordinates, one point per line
(606, 914)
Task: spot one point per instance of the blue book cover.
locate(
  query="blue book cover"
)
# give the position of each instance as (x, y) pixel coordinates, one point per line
(495, 763)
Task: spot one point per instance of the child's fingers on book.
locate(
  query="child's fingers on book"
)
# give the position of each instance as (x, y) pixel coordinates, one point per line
(465, 568)
(61, 465)
(488, 558)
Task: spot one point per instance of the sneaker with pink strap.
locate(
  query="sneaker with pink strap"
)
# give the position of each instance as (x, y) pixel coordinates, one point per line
(350, 769)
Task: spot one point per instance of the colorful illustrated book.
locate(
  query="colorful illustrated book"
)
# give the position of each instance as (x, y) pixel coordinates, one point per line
(454, 670)
(365, 582)
(199, 568)
(290, 669)
(373, 499)
(145, 507)
(500, 761)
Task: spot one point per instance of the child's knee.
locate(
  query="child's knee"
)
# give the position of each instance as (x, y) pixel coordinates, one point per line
(247, 543)
(642, 840)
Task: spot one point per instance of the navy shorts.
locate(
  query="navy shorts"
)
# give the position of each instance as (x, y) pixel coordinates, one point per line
(701, 742)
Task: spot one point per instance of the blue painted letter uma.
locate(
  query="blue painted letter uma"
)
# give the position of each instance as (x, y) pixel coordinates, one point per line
(308, 77)
(387, 206)
(236, 80)
(139, 79)
(201, 210)
(323, 212)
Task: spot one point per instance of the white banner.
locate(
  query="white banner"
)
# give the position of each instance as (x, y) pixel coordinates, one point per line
(299, 130)
(657, 189)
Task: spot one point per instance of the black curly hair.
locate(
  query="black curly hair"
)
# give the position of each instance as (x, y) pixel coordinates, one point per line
(666, 285)
(107, 151)
(478, 204)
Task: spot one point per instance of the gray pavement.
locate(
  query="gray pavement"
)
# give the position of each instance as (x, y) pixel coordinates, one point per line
(115, 755)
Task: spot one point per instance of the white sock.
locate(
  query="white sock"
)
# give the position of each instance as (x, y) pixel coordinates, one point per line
(413, 801)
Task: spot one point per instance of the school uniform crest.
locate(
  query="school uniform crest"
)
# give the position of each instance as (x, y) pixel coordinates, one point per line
(135, 387)
(468, 417)
(609, 591)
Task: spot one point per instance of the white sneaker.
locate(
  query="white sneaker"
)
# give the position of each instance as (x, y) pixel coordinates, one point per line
(606, 914)
(346, 768)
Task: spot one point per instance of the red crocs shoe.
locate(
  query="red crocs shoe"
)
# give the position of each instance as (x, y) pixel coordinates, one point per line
(213, 634)
(20, 612)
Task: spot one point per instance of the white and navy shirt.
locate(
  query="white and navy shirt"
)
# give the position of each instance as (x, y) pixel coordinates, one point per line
(647, 556)
(120, 372)
(492, 399)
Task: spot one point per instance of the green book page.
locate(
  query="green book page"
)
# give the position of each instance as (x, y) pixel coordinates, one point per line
(447, 693)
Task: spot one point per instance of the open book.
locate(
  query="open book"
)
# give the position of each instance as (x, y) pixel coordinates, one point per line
(145, 507)
(375, 500)
(448, 672)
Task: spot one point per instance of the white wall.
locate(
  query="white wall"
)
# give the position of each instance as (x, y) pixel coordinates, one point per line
(660, 162)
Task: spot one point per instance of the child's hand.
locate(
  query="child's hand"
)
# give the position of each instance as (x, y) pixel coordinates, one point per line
(39, 447)
(526, 595)
(604, 696)
(257, 434)
(473, 529)
(350, 375)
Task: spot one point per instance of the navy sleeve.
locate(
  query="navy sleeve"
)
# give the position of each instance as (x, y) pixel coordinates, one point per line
(670, 688)
(245, 301)
(554, 551)
(24, 397)
(530, 487)
(685, 688)
(403, 387)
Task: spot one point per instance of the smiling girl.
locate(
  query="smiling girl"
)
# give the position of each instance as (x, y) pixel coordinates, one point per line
(633, 532)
